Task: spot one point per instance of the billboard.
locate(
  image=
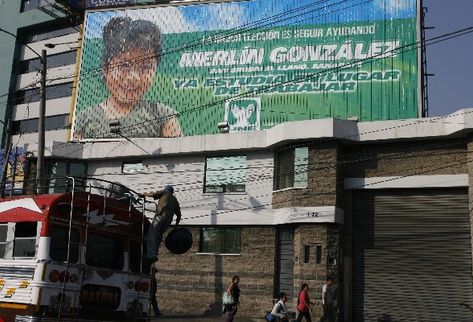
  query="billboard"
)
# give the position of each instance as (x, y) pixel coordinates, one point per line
(167, 71)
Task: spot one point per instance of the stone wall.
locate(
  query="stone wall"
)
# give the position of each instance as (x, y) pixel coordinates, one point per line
(313, 273)
(193, 283)
(322, 180)
(404, 159)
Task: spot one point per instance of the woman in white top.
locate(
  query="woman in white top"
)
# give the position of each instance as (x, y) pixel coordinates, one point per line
(280, 310)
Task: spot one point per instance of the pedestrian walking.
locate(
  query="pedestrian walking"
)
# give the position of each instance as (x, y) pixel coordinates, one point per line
(328, 300)
(231, 309)
(280, 310)
(165, 210)
(303, 304)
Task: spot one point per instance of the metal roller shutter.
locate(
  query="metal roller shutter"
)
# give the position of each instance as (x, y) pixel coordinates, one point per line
(411, 255)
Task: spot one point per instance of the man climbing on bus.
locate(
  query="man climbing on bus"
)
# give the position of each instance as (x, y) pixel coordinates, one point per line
(165, 210)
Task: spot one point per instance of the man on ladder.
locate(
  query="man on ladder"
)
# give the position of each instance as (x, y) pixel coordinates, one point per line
(165, 210)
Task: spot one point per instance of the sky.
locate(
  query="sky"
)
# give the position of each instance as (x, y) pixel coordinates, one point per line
(451, 88)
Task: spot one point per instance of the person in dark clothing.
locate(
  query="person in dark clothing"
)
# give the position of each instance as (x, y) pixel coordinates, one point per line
(153, 289)
(231, 309)
(165, 210)
(328, 300)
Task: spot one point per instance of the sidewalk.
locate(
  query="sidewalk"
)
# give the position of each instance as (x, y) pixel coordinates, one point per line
(196, 318)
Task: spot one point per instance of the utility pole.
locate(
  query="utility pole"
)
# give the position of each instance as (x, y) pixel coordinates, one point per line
(41, 129)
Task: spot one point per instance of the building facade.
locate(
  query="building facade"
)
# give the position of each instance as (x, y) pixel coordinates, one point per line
(382, 206)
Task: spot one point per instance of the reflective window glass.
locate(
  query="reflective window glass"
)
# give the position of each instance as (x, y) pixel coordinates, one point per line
(221, 240)
(225, 174)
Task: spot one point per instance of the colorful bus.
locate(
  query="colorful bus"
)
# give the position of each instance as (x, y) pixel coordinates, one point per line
(72, 256)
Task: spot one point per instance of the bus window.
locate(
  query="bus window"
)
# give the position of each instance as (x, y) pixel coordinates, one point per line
(134, 254)
(58, 250)
(25, 239)
(104, 252)
(3, 239)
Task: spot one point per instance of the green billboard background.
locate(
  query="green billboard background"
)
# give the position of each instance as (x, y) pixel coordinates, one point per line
(365, 69)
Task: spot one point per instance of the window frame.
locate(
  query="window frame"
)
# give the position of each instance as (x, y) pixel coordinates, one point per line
(133, 163)
(58, 183)
(4, 242)
(225, 186)
(77, 243)
(35, 238)
(284, 179)
(221, 251)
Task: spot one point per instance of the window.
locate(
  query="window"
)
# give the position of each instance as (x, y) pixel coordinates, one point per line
(132, 167)
(58, 250)
(318, 254)
(27, 5)
(134, 254)
(291, 168)
(56, 122)
(55, 31)
(59, 170)
(225, 174)
(306, 254)
(52, 92)
(25, 239)
(62, 59)
(220, 240)
(104, 252)
(3, 239)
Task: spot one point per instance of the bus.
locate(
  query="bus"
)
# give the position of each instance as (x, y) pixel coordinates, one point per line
(74, 255)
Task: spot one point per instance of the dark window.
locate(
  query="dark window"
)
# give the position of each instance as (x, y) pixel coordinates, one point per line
(25, 239)
(318, 254)
(56, 122)
(104, 252)
(3, 239)
(58, 250)
(57, 60)
(134, 254)
(49, 33)
(52, 92)
(27, 5)
(225, 174)
(221, 240)
(291, 168)
(59, 170)
(306, 254)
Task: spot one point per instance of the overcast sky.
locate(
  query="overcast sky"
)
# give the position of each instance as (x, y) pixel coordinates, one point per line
(451, 61)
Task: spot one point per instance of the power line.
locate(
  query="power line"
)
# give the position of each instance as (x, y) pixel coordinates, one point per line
(402, 49)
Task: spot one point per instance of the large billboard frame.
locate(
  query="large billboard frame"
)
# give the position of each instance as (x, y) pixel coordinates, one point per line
(418, 67)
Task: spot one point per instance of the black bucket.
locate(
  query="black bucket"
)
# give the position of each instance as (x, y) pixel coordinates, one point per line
(179, 240)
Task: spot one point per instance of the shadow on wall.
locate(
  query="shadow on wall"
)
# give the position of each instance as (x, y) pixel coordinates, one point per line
(215, 308)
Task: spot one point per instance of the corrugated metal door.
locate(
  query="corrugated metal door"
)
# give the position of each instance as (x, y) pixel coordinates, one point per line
(286, 261)
(411, 255)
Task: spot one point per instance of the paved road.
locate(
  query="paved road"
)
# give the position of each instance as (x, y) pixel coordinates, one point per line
(194, 318)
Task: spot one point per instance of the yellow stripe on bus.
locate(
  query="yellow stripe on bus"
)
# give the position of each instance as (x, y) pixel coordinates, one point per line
(13, 306)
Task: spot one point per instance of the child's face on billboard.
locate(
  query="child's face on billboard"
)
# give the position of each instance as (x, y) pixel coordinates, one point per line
(130, 74)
